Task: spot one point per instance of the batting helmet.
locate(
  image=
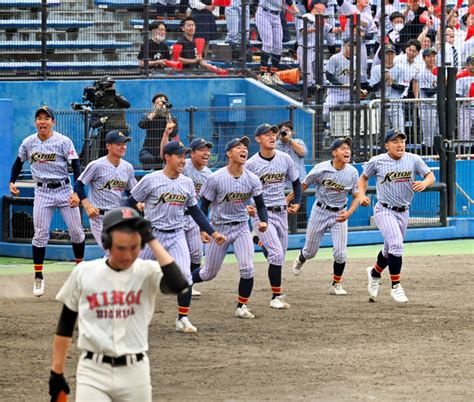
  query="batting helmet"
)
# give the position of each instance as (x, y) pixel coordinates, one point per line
(115, 217)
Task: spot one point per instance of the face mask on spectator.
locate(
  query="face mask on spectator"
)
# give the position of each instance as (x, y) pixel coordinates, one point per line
(398, 27)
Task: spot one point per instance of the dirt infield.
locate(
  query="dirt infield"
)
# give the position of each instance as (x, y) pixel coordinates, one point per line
(323, 348)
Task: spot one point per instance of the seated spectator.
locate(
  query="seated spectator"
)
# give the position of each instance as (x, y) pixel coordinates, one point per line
(158, 50)
(155, 123)
(189, 56)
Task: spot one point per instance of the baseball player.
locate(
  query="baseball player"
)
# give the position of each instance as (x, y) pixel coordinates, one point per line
(114, 299)
(196, 169)
(108, 178)
(273, 167)
(465, 88)
(49, 154)
(166, 194)
(395, 172)
(267, 19)
(428, 89)
(333, 180)
(228, 190)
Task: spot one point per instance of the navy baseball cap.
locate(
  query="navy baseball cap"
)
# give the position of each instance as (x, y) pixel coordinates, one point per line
(394, 133)
(349, 39)
(117, 137)
(470, 59)
(236, 141)
(265, 128)
(390, 48)
(427, 52)
(339, 141)
(175, 148)
(199, 143)
(45, 109)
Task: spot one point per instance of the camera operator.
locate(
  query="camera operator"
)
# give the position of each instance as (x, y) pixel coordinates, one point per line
(297, 150)
(107, 110)
(155, 124)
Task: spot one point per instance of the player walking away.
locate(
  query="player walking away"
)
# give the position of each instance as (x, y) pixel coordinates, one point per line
(196, 169)
(267, 19)
(273, 168)
(108, 178)
(114, 299)
(333, 181)
(395, 172)
(49, 154)
(228, 191)
(166, 194)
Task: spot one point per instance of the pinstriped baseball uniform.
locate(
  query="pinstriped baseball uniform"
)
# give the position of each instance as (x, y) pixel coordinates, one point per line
(332, 187)
(272, 174)
(466, 112)
(428, 111)
(49, 161)
(107, 184)
(191, 228)
(229, 197)
(394, 188)
(165, 202)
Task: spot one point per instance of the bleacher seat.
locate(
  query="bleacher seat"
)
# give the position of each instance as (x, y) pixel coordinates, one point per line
(121, 3)
(25, 23)
(65, 44)
(138, 24)
(27, 3)
(73, 65)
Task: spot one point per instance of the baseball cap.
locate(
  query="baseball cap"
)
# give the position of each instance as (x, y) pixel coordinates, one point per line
(394, 133)
(265, 128)
(349, 39)
(199, 143)
(236, 141)
(390, 49)
(470, 59)
(175, 148)
(339, 141)
(45, 109)
(117, 137)
(430, 50)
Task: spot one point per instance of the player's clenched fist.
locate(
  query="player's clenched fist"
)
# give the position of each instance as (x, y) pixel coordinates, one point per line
(13, 190)
(92, 212)
(218, 238)
(365, 201)
(262, 226)
(74, 200)
(57, 383)
(293, 208)
(205, 238)
(418, 186)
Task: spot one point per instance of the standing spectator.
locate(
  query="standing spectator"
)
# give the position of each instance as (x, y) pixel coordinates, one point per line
(267, 19)
(428, 89)
(465, 89)
(413, 27)
(158, 50)
(156, 125)
(409, 62)
(204, 15)
(453, 51)
(189, 57)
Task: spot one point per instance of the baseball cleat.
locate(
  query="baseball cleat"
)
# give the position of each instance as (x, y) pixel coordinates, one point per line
(279, 303)
(243, 312)
(337, 290)
(373, 286)
(195, 293)
(398, 294)
(276, 80)
(265, 79)
(184, 325)
(38, 287)
(297, 266)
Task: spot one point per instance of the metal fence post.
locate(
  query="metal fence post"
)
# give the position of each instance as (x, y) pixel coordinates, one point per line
(305, 60)
(44, 39)
(146, 37)
(243, 38)
(451, 151)
(191, 110)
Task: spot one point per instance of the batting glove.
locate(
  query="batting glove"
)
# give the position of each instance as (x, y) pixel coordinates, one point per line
(57, 383)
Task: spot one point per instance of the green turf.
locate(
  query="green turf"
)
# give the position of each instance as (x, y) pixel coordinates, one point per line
(10, 266)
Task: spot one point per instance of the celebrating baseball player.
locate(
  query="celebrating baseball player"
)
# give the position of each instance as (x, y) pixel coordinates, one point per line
(196, 169)
(228, 191)
(114, 299)
(49, 154)
(166, 194)
(395, 172)
(108, 178)
(273, 168)
(333, 181)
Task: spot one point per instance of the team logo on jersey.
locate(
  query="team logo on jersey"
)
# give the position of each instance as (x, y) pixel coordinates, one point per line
(114, 184)
(42, 158)
(236, 197)
(197, 187)
(397, 177)
(328, 183)
(105, 303)
(172, 199)
(270, 178)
